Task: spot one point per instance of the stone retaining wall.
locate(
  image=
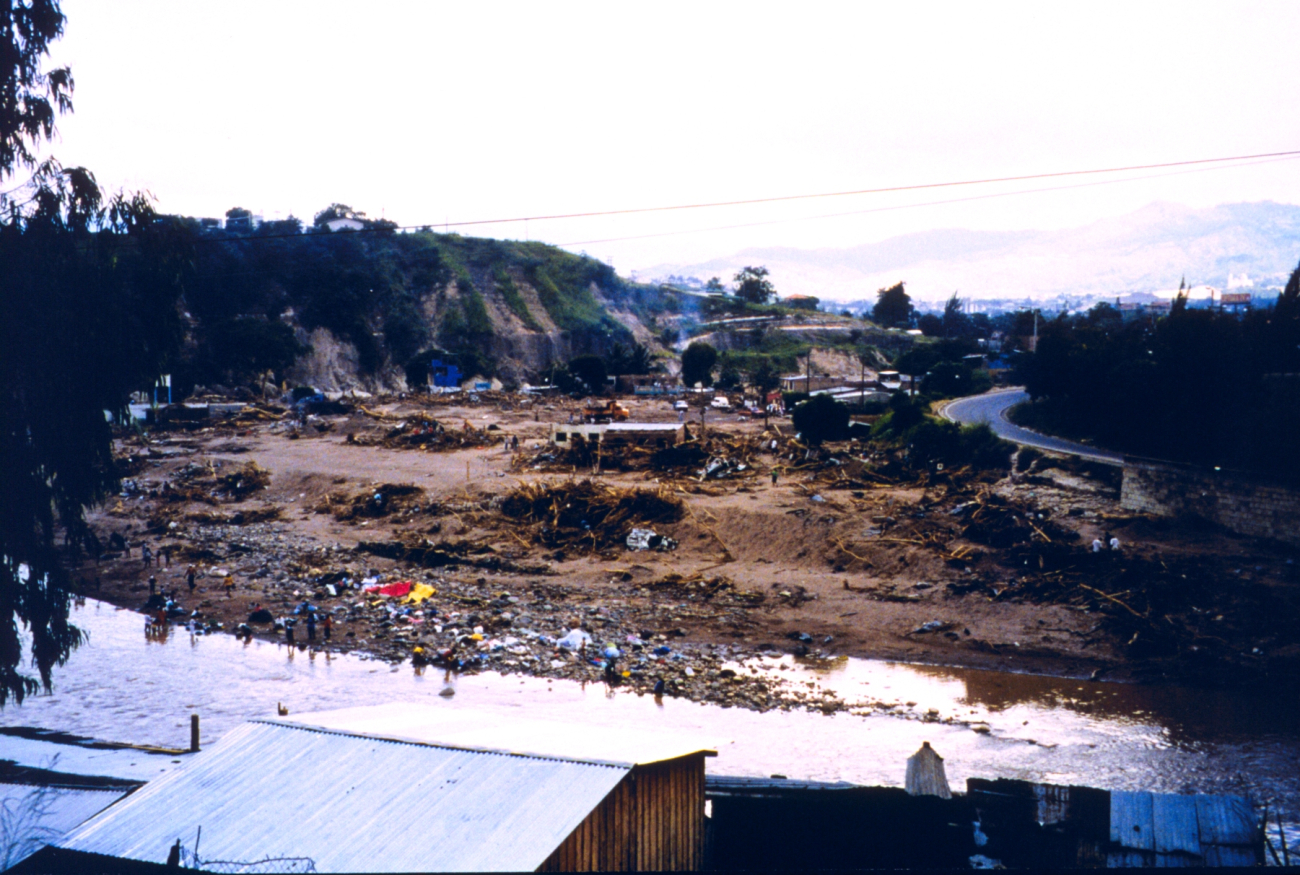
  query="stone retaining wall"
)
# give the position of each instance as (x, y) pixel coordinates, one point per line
(1246, 504)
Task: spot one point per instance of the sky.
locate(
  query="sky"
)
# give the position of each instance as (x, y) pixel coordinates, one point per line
(439, 113)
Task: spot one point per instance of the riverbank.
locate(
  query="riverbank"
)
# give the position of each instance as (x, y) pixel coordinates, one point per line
(826, 562)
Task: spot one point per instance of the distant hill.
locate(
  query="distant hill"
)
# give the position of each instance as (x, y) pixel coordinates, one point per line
(1147, 250)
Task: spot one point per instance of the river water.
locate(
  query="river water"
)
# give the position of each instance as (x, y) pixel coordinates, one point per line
(121, 686)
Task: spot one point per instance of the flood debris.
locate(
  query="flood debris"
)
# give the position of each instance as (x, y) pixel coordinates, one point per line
(648, 539)
(585, 514)
(375, 502)
(421, 431)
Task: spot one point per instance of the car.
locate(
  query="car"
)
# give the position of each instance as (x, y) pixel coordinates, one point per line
(721, 403)
(681, 405)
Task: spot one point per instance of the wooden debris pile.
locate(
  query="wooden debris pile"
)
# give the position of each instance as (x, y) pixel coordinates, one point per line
(698, 586)
(388, 499)
(586, 514)
(267, 514)
(439, 554)
(243, 481)
(422, 432)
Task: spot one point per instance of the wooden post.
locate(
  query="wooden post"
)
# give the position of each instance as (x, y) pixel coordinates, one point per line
(194, 733)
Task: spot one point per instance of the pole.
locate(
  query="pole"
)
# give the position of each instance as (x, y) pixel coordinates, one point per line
(194, 733)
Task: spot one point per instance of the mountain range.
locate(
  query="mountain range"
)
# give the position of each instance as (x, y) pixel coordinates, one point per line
(1249, 246)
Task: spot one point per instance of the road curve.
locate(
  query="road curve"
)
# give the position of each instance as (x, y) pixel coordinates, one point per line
(991, 408)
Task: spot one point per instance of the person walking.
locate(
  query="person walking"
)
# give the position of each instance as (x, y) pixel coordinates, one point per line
(229, 584)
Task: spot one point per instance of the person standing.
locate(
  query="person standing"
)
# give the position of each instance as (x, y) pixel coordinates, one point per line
(229, 584)
(311, 626)
(146, 555)
(288, 632)
(326, 626)
(189, 577)
(153, 584)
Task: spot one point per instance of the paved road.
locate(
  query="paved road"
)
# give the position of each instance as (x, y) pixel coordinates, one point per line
(992, 408)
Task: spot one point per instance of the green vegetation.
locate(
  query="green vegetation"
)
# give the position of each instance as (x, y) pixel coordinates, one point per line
(820, 418)
(697, 364)
(514, 299)
(893, 307)
(931, 442)
(1199, 385)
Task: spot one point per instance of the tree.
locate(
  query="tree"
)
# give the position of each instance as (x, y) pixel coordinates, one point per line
(893, 307)
(955, 321)
(591, 370)
(714, 285)
(634, 359)
(697, 364)
(930, 325)
(89, 294)
(820, 418)
(753, 286)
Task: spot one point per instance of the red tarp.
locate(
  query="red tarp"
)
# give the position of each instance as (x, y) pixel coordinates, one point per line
(401, 588)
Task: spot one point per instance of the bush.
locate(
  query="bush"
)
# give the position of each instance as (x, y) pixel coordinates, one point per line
(821, 418)
(934, 442)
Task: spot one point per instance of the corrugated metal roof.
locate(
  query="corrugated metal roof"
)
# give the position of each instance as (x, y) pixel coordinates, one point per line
(353, 804)
(37, 815)
(431, 724)
(642, 426)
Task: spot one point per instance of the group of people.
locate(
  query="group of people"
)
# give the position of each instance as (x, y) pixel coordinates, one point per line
(307, 612)
(1105, 542)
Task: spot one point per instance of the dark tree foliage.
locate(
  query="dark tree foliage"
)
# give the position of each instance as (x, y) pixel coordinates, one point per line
(1199, 385)
(629, 359)
(89, 295)
(930, 325)
(697, 364)
(764, 376)
(30, 96)
(893, 307)
(591, 370)
(956, 322)
(821, 418)
(753, 286)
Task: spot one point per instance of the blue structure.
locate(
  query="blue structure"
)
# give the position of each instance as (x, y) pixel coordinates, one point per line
(444, 376)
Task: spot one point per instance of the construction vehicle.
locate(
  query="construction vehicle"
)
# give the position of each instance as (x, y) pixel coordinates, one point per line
(608, 411)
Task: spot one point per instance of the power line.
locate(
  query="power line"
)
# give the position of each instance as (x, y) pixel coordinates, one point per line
(914, 205)
(897, 188)
(798, 197)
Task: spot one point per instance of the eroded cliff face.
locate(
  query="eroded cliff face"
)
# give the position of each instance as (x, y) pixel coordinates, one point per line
(523, 339)
(333, 365)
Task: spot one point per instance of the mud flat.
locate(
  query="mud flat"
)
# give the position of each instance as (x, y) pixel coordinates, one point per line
(507, 556)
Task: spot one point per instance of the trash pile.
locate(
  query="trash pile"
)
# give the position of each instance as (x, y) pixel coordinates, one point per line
(420, 431)
(586, 514)
(387, 499)
(201, 483)
(649, 539)
(267, 514)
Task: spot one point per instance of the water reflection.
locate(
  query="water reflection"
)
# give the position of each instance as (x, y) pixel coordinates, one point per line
(986, 724)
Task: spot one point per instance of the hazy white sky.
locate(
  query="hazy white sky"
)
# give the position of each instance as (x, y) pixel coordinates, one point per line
(434, 112)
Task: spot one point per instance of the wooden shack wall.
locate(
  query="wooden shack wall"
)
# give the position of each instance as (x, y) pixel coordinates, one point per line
(652, 821)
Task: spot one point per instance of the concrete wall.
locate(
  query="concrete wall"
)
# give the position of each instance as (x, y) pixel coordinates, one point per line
(1246, 504)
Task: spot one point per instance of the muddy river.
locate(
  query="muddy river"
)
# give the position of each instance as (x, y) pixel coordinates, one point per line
(124, 687)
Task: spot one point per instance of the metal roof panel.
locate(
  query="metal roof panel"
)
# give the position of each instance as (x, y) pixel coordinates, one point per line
(352, 804)
(471, 730)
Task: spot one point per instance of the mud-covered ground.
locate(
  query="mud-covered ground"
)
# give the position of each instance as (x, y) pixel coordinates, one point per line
(838, 557)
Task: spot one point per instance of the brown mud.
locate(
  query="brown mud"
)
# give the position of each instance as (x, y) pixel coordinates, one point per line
(844, 553)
